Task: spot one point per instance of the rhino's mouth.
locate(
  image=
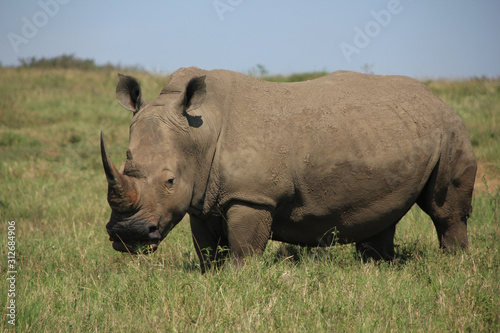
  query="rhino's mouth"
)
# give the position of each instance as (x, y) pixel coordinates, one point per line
(132, 235)
(135, 247)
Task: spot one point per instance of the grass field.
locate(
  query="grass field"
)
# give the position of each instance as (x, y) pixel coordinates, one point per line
(69, 279)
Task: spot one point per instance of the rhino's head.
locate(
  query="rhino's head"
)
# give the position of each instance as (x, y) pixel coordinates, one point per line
(154, 190)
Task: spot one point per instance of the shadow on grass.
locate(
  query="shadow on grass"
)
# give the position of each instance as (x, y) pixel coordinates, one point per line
(345, 254)
(337, 254)
(409, 252)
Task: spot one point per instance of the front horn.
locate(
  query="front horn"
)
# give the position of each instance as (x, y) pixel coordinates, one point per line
(122, 194)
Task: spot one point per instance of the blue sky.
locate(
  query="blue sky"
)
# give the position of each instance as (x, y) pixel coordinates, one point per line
(419, 38)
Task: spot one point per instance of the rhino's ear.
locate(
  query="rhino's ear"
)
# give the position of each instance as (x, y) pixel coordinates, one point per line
(128, 93)
(195, 92)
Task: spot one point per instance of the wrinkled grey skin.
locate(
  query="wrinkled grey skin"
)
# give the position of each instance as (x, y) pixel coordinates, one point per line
(338, 159)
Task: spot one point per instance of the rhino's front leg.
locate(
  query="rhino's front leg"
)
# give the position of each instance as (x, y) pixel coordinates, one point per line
(210, 241)
(248, 229)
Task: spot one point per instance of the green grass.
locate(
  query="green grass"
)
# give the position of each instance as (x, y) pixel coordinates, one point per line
(70, 279)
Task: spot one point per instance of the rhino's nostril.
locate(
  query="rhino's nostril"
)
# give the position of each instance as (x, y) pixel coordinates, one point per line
(154, 233)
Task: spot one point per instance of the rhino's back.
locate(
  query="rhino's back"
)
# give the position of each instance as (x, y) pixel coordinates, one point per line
(341, 151)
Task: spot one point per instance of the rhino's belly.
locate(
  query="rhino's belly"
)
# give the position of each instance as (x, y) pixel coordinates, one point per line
(339, 227)
(322, 218)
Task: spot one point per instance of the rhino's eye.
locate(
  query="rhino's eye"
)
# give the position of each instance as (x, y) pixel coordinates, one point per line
(168, 179)
(170, 182)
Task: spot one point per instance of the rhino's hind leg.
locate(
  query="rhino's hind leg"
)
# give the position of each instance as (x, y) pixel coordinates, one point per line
(447, 200)
(380, 246)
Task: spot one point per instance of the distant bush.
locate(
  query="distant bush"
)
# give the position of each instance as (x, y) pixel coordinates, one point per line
(64, 61)
(70, 61)
(295, 77)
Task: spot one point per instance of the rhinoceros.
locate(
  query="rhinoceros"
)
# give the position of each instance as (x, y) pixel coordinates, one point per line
(338, 159)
